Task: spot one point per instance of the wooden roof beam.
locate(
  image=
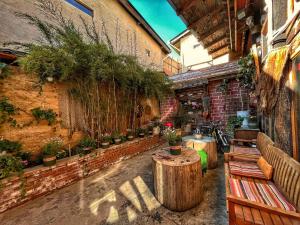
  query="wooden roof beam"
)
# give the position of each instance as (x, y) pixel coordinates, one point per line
(218, 49)
(186, 5)
(220, 53)
(207, 16)
(214, 29)
(215, 41)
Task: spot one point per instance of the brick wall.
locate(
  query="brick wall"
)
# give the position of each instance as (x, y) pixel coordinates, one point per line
(221, 107)
(42, 180)
(168, 108)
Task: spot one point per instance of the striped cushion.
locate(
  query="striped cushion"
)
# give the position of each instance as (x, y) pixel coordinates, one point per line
(246, 169)
(265, 193)
(246, 150)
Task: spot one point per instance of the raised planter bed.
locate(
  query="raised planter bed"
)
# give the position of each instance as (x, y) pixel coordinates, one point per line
(42, 180)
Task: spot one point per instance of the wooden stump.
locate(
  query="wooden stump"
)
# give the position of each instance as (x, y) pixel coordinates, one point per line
(211, 149)
(177, 179)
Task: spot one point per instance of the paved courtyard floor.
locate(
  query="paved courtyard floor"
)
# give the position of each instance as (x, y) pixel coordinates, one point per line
(120, 194)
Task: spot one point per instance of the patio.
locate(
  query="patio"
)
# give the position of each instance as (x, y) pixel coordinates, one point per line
(99, 124)
(120, 194)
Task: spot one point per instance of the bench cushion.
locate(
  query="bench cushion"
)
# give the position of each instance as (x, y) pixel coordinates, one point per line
(262, 192)
(246, 169)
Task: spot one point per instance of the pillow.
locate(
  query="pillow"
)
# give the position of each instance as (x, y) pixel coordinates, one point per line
(265, 167)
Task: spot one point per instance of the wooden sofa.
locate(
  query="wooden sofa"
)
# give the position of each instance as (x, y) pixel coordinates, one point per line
(286, 178)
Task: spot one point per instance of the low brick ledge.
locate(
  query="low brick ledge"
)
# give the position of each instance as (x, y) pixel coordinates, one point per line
(40, 180)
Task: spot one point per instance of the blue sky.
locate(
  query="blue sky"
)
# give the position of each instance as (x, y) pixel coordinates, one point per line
(161, 16)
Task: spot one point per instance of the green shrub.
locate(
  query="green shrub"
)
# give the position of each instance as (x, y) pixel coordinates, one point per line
(9, 165)
(40, 114)
(87, 142)
(10, 146)
(171, 136)
(52, 147)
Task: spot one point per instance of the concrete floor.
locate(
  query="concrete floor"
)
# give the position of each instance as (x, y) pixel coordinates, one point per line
(121, 194)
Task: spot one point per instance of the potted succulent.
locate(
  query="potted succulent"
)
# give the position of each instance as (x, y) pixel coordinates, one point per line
(130, 135)
(140, 132)
(106, 141)
(87, 144)
(174, 141)
(50, 150)
(116, 138)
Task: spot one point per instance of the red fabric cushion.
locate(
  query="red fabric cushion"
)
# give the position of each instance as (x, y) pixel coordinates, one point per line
(246, 169)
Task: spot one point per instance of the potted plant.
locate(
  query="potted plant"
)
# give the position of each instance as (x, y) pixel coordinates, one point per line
(106, 141)
(116, 137)
(245, 78)
(130, 135)
(140, 132)
(87, 144)
(150, 130)
(233, 122)
(50, 150)
(24, 158)
(156, 127)
(174, 141)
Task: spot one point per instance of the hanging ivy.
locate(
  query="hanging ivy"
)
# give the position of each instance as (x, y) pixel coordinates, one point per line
(6, 110)
(247, 72)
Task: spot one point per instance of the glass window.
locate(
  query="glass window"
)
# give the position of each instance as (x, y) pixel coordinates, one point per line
(81, 7)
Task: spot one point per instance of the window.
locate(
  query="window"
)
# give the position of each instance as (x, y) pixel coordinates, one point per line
(196, 45)
(82, 7)
(148, 53)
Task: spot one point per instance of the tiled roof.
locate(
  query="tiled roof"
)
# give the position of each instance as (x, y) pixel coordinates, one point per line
(217, 71)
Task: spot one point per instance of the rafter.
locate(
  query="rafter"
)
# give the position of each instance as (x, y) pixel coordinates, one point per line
(207, 16)
(220, 53)
(186, 5)
(215, 41)
(218, 48)
(214, 29)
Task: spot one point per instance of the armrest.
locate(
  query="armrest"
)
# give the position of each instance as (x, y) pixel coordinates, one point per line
(278, 211)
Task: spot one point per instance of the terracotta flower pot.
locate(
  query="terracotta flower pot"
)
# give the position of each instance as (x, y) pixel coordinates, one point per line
(105, 144)
(150, 132)
(49, 160)
(141, 135)
(175, 150)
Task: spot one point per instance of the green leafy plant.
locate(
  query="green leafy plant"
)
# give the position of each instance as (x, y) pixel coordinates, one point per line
(171, 136)
(107, 139)
(180, 120)
(116, 135)
(87, 142)
(86, 59)
(52, 147)
(247, 71)
(41, 114)
(140, 131)
(232, 123)
(223, 87)
(10, 146)
(9, 165)
(4, 70)
(6, 110)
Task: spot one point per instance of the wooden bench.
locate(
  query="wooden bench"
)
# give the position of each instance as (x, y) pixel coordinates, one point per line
(253, 153)
(286, 177)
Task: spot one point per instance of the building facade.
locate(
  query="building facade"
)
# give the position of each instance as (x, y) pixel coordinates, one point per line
(193, 55)
(128, 32)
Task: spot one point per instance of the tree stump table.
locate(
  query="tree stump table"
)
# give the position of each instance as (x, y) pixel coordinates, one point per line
(177, 179)
(208, 144)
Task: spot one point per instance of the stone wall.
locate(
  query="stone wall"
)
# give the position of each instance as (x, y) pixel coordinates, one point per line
(38, 181)
(22, 91)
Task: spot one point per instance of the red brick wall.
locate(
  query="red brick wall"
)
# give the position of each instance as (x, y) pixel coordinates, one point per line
(168, 108)
(219, 111)
(222, 107)
(41, 180)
